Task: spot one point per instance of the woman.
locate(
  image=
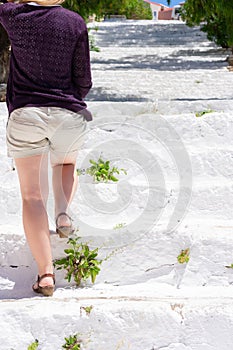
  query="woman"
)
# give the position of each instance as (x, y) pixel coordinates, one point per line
(49, 77)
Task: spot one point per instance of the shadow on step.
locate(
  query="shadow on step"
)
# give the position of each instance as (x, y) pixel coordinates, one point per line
(16, 282)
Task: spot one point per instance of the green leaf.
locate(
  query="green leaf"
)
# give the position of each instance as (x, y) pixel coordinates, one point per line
(69, 277)
(60, 261)
(124, 171)
(69, 251)
(104, 172)
(34, 345)
(93, 276)
(92, 162)
(113, 178)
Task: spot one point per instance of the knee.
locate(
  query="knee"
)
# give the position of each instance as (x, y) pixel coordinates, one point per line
(32, 196)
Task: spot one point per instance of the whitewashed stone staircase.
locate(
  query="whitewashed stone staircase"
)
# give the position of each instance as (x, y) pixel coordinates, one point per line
(178, 194)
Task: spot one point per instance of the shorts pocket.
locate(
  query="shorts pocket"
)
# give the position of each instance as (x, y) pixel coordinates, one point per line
(73, 121)
(26, 116)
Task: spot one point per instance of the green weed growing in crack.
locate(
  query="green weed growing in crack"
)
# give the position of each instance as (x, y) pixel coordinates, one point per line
(101, 171)
(87, 309)
(34, 345)
(119, 226)
(183, 257)
(73, 342)
(201, 113)
(80, 262)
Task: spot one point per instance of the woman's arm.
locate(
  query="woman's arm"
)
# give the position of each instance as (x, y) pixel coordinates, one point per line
(81, 70)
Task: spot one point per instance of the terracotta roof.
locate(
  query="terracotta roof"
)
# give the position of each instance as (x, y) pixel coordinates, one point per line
(155, 3)
(167, 9)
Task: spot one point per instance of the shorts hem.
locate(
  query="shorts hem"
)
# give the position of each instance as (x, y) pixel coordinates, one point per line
(29, 153)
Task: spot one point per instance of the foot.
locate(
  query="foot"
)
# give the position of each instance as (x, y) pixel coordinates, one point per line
(64, 225)
(45, 284)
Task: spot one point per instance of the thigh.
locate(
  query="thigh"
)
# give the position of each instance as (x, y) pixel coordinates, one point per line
(33, 176)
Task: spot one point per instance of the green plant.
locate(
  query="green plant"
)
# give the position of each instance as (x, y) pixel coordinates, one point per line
(87, 309)
(92, 44)
(72, 343)
(34, 345)
(80, 262)
(131, 8)
(101, 171)
(183, 257)
(119, 226)
(200, 114)
(214, 17)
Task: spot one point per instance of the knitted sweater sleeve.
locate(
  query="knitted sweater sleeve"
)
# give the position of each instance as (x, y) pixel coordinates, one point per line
(2, 8)
(81, 70)
(5, 8)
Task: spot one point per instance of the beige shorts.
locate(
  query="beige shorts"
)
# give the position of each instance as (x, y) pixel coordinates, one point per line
(36, 130)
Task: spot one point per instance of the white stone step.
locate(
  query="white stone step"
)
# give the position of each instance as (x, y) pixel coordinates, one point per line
(143, 298)
(157, 61)
(140, 317)
(197, 158)
(140, 256)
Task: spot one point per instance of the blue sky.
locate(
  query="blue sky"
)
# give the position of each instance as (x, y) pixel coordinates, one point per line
(164, 2)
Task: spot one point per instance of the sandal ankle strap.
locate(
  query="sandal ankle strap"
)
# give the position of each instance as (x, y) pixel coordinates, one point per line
(60, 214)
(46, 275)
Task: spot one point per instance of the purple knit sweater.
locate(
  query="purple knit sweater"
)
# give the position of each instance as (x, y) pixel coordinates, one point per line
(50, 62)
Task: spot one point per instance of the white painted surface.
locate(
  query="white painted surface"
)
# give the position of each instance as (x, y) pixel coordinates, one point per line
(144, 101)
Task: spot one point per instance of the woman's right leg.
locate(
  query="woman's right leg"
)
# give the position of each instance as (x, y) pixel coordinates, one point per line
(33, 178)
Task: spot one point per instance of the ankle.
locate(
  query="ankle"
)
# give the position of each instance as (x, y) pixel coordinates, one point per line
(42, 270)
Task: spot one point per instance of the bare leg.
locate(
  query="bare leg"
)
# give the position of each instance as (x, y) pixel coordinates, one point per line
(33, 178)
(64, 186)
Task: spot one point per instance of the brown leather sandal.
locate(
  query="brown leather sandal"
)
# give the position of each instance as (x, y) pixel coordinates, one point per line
(64, 231)
(47, 290)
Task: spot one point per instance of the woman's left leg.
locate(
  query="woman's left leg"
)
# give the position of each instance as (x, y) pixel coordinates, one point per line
(64, 187)
(33, 178)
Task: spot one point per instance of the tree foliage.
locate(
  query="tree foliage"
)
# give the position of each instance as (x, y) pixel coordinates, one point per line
(215, 17)
(137, 9)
